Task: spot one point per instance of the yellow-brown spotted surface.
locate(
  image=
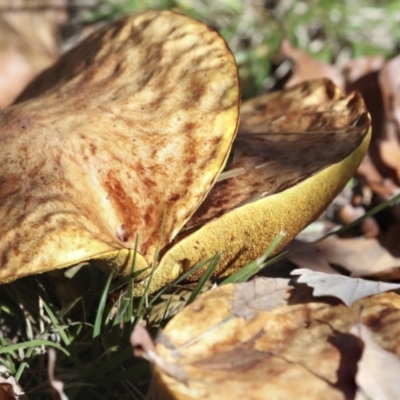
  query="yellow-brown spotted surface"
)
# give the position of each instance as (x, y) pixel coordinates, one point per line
(126, 137)
(133, 124)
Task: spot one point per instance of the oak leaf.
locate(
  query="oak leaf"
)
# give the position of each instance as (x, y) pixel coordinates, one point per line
(28, 42)
(349, 290)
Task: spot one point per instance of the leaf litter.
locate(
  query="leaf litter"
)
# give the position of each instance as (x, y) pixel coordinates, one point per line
(298, 338)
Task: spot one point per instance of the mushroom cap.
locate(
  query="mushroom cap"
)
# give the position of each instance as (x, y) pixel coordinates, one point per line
(295, 151)
(125, 137)
(122, 138)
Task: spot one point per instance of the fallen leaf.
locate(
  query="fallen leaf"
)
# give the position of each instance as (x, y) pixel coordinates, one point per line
(28, 42)
(143, 346)
(349, 213)
(360, 67)
(389, 82)
(362, 76)
(306, 342)
(259, 294)
(390, 150)
(389, 147)
(378, 370)
(384, 187)
(307, 68)
(349, 290)
(359, 256)
(10, 389)
(7, 391)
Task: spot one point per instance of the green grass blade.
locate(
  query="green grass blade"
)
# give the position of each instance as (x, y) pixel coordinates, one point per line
(121, 282)
(128, 317)
(144, 297)
(113, 363)
(33, 343)
(179, 279)
(100, 311)
(121, 312)
(347, 227)
(206, 276)
(163, 318)
(68, 307)
(358, 221)
(139, 312)
(131, 373)
(254, 266)
(64, 337)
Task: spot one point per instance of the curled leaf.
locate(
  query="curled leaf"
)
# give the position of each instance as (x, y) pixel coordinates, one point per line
(349, 290)
(143, 346)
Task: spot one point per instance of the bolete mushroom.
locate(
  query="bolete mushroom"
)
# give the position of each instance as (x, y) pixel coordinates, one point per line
(126, 136)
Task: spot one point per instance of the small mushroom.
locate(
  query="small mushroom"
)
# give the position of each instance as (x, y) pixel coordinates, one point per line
(125, 137)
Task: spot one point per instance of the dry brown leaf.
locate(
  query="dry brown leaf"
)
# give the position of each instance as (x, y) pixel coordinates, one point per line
(360, 256)
(389, 150)
(389, 147)
(349, 290)
(307, 68)
(349, 213)
(299, 351)
(362, 76)
(383, 187)
(390, 239)
(259, 294)
(7, 391)
(143, 346)
(358, 68)
(10, 389)
(389, 81)
(378, 370)
(28, 42)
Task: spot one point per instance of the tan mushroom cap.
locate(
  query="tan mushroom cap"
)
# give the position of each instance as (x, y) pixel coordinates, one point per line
(126, 137)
